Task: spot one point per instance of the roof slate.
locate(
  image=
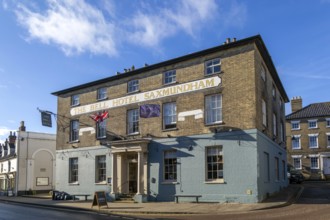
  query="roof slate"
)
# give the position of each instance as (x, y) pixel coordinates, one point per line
(311, 111)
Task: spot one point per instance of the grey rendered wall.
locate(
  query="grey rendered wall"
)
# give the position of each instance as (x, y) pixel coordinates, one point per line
(240, 167)
(272, 186)
(86, 171)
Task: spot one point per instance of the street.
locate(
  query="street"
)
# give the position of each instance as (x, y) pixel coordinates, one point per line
(313, 203)
(22, 211)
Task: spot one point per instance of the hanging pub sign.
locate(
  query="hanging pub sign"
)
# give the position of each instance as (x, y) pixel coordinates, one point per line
(46, 119)
(100, 199)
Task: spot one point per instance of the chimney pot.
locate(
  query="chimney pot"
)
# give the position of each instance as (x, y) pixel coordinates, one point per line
(228, 40)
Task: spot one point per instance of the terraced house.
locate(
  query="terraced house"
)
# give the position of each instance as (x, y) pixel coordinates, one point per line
(207, 124)
(308, 141)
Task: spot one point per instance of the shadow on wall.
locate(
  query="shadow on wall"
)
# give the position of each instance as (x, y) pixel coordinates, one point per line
(162, 185)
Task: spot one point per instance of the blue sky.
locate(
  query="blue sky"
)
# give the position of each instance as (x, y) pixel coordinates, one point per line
(50, 45)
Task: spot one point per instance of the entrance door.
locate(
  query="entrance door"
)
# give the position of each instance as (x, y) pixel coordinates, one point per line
(326, 165)
(132, 177)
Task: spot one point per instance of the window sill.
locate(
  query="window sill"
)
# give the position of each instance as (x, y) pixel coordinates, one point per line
(313, 128)
(296, 148)
(170, 183)
(215, 123)
(170, 84)
(170, 129)
(74, 184)
(102, 99)
(313, 147)
(73, 142)
(219, 181)
(133, 134)
(295, 129)
(132, 92)
(101, 183)
(72, 106)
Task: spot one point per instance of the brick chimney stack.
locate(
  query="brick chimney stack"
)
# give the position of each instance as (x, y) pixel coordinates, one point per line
(12, 138)
(296, 103)
(22, 127)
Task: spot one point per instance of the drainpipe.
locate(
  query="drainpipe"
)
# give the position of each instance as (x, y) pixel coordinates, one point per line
(17, 161)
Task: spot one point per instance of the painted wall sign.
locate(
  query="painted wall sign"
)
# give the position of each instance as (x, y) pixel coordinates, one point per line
(150, 95)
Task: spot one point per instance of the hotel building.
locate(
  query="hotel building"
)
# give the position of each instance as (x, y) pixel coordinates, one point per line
(210, 123)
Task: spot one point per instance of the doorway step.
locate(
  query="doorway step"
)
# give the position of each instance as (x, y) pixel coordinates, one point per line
(125, 198)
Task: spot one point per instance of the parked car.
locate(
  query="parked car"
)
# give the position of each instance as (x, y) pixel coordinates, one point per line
(295, 176)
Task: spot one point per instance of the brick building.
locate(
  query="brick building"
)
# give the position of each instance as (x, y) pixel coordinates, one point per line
(308, 140)
(210, 123)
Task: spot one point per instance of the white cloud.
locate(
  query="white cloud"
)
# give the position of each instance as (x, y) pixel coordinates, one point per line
(77, 27)
(74, 26)
(4, 132)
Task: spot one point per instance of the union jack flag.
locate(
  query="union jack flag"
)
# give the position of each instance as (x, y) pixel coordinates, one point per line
(100, 116)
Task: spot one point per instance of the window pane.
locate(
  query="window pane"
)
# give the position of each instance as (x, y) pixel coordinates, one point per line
(133, 121)
(100, 166)
(133, 86)
(74, 130)
(170, 77)
(169, 115)
(73, 170)
(214, 162)
(213, 109)
(213, 66)
(170, 171)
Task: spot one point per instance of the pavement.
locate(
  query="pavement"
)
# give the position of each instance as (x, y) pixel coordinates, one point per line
(286, 197)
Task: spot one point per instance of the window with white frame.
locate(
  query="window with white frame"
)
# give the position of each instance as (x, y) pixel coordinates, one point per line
(169, 115)
(213, 109)
(314, 162)
(297, 162)
(101, 129)
(169, 77)
(295, 125)
(328, 139)
(170, 166)
(133, 121)
(296, 142)
(274, 124)
(100, 168)
(75, 100)
(133, 86)
(312, 124)
(263, 73)
(213, 66)
(264, 112)
(214, 160)
(328, 122)
(74, 130)
(101, 93)
(313, 141)
(73, 170)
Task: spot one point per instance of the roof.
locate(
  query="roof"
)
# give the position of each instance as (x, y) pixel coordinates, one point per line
(254, 39)
(311, 111)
